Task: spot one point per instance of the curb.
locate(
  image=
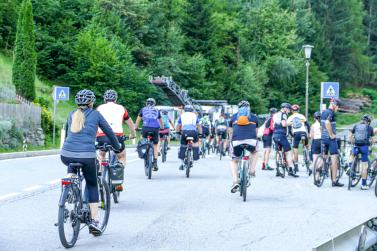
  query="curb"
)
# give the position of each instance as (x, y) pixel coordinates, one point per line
(17, 155)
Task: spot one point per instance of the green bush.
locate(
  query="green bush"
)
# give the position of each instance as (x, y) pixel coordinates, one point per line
(11, 136)
(43, 102)
(47, 122)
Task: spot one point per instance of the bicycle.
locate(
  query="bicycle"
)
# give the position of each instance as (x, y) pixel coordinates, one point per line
(107, 169)
(149, 155)
(164, 148)
(306, 155)
(188, 161)
(321, 168)
(372, 172)
(204, 147)
(244, 171)
(354, 175)
(74, 210)
(281, 161)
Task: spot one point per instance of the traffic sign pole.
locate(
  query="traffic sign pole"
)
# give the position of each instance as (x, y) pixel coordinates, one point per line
(53, 131)
(60, 93)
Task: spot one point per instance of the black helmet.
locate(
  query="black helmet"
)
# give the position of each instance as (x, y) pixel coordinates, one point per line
(286, 105)
(189, 108)
(151, 101)
(110, 95)
(273, 110)
(85, 97)
(243, 103)
(366, 118)
(317, 115)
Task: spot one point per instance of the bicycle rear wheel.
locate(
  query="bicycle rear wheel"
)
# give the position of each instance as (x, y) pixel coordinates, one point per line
(221, 145)
(150, 162)
(103, 204)
(306, 160)
(163, 151)
(279, 165)
(245, 180)
(319, 171)
(68, 216)
(188, 164)
(116, 195)
(355, 176)
(372, 172)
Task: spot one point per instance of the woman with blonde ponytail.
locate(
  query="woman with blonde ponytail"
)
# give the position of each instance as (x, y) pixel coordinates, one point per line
(79, 147)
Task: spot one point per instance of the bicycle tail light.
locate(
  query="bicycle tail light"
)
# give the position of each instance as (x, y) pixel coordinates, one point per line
(245, 157)
(104, 163)
(149, 137)
(66, 182)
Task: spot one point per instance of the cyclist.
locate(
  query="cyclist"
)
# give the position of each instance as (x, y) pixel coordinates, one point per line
(267, 140)
(115, 115)
(79, 147)
(221, 131)
(189, 126)
(205, 122)
(243, 130)
(166, 121)
(280, 136)
(361, 134)
(299, 128)
(315, 135)
(329, 142)
(152, 123)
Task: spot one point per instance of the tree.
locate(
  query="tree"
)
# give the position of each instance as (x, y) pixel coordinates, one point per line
(24, 61)
(8, 20)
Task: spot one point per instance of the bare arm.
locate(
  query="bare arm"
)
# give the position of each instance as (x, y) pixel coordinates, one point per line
(138, 119)
(311, 132)
(130, 124)
(329, 129)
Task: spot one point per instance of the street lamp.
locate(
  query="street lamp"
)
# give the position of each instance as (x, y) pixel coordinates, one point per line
(308, 52)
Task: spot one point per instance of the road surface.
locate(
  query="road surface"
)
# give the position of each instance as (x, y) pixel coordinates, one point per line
(171, 212)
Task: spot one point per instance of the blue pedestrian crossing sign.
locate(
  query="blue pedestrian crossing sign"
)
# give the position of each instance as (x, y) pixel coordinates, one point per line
(330, 89)
(61, 93)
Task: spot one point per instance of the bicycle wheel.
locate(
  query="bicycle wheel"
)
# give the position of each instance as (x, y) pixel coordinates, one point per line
(281, 165)
(150, 162)
(306, 160)
(355, 174)
(163, 151)
(103, 204)
(319, 171)
(203, 150)
(245, 180)
(116, 195)
(339, 172)
(221, 145)
(68, 216)
(189, 162)
(372, 172)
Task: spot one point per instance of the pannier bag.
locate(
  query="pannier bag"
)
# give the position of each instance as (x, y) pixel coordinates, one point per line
(117, 173)
(182, 152)
(142, 148)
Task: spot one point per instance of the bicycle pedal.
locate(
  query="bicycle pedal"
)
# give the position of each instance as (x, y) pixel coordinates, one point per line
(56, 224)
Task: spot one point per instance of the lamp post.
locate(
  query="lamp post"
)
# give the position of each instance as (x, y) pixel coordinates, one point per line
(308, 52)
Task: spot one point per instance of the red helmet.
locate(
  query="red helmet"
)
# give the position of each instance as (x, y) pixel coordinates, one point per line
(295, 108)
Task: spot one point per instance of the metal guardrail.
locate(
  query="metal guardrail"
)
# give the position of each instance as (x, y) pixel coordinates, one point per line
(358, 238)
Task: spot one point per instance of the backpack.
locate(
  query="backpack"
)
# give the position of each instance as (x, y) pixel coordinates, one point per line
(361, 133)
(296, 123)
(243, 116)
(142, 148)
(270, 129)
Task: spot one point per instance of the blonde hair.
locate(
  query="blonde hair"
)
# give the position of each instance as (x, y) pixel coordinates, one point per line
(78, 121)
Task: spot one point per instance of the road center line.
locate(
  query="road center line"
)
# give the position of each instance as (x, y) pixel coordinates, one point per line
(32, 188)
(9, 195)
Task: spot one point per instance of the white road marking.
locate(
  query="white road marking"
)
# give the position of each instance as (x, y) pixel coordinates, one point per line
(23, 158)
(130, 161)
(32, 188)
(9, 195)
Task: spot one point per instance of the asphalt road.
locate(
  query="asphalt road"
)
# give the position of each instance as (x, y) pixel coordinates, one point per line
(171, 212)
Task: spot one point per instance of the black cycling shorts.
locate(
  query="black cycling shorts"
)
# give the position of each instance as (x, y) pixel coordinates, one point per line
(102, 140)
(205, 132)
(297, 139)
(281, 141)
(189, 133)
(267, 141)
(223, 134)
(316, 146)
(151, 131)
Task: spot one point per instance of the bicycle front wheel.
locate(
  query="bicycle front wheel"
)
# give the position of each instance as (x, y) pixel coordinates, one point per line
(68, 216)
(103, 204)
(318, 171)
(372, 172)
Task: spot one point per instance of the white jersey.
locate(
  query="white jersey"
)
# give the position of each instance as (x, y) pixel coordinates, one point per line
(317, 133)
(297, 121)
(188, 120)
(115, 115)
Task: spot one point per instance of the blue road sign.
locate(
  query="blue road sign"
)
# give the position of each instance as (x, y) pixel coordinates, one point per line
(330, 89)
(61, 93)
